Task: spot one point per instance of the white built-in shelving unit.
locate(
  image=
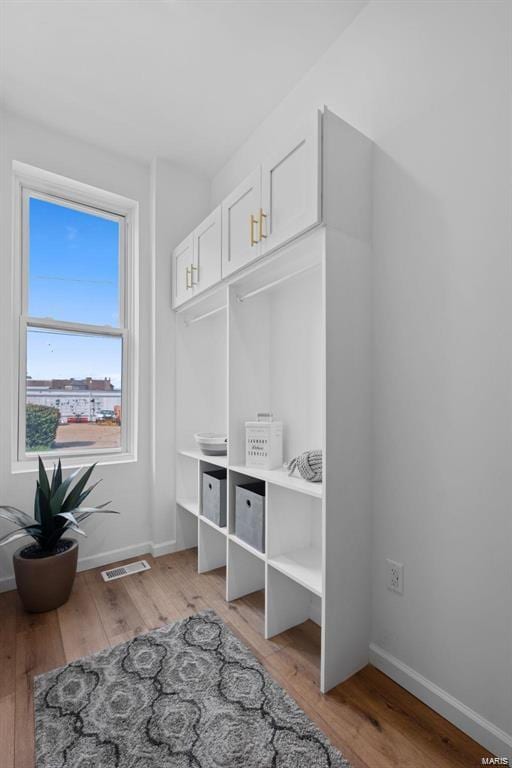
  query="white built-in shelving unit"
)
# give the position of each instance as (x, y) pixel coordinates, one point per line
(288, 332)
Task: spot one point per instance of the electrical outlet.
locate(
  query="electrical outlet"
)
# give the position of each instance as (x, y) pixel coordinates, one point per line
(395, 576)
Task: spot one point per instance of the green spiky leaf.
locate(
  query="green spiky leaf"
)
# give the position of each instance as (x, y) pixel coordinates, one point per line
(57, 498)
(37, 511)
(44, 508)
(54, 512)
(15, 515)
(56, 477)
(73, 500)
(43, 479)
(18, 533)
(84, 512)
(76, 529)
(85, 494)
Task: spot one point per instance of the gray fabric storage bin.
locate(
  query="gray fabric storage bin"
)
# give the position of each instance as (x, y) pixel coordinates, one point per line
(214, 496)
(250, 514)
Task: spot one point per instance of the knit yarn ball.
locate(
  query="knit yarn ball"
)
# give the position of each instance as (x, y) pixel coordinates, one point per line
(309, 465)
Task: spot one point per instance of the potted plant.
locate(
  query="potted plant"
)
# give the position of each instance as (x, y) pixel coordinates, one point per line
(45, 570)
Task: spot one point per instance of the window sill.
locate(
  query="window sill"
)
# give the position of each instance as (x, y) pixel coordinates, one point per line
(73, 462)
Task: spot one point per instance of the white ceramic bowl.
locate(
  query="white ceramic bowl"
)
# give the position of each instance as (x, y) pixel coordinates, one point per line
(212, 443)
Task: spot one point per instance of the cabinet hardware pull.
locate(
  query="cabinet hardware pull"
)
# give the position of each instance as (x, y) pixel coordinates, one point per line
(262, 216)
(188, 273)
(252, 222)
(193, 267)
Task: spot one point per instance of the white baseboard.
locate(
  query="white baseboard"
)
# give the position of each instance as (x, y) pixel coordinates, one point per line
(481, 730)
(165, 548)
(112, 555)
(106, 558)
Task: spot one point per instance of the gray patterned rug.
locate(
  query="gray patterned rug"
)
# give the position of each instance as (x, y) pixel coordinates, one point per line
(189, 695)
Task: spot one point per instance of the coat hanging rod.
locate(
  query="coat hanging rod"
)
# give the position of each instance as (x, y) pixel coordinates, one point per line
(265, 287)
(205, 314)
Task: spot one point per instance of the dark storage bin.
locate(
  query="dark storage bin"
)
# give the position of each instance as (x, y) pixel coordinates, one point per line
(214, 496)
(250, 514)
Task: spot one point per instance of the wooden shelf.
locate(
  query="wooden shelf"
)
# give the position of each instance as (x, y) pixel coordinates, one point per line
(214, 525)
(246, 546)
(219, 461)
(191, 505)
(280, 477)
(303, 566)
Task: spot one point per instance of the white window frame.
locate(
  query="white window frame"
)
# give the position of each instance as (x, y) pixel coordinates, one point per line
(28, 182)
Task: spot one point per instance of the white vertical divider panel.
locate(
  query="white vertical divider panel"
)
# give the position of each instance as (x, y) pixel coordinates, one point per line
(347, 460)
(229, 362)
(186, 480)
(287, 603)
(187, 490)
(186, 529)
(248, 393)
(211, 542)
(212, 548)
(204, 544)
(201, 405)
(246, 572)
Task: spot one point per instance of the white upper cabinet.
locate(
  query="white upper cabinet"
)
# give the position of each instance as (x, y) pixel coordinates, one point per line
(241, 235)
(182, 263)
(291, 187)
(196, 262)
(206, 267)
(277, 202)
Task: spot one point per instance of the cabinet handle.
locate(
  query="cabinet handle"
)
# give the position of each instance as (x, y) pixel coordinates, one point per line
(193, 267)
(252, 222)
(262, 216)
(188, 273)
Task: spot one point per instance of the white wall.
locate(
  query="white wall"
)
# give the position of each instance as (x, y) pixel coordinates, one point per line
(179, 202)
(126, 484)
(430, 83)
(171, 202)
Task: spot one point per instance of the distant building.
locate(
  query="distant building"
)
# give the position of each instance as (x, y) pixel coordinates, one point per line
(76, 399)
(73, 385)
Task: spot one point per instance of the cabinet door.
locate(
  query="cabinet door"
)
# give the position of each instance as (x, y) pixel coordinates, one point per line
(206, 269)
(240, 237)
(291, 187)
(182, 261)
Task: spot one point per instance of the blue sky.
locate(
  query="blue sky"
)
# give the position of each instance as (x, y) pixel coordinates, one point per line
(73, 275)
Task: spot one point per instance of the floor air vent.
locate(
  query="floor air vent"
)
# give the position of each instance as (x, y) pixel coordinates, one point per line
(125, 570)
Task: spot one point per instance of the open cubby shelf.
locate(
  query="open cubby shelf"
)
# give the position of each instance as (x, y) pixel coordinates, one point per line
(221, 529)
(273, 476)
(292, 337)
(248, 547)
(280, 477)
(191, 505)
(303, 566)
(218, 461)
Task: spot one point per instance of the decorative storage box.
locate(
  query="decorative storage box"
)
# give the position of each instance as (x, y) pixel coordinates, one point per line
(264, 443)
(214, 496)
(250, 514)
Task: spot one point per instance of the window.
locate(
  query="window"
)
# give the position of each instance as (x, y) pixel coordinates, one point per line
(76, 318)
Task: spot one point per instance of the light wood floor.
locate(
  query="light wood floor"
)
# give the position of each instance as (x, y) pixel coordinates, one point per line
(374, 722)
